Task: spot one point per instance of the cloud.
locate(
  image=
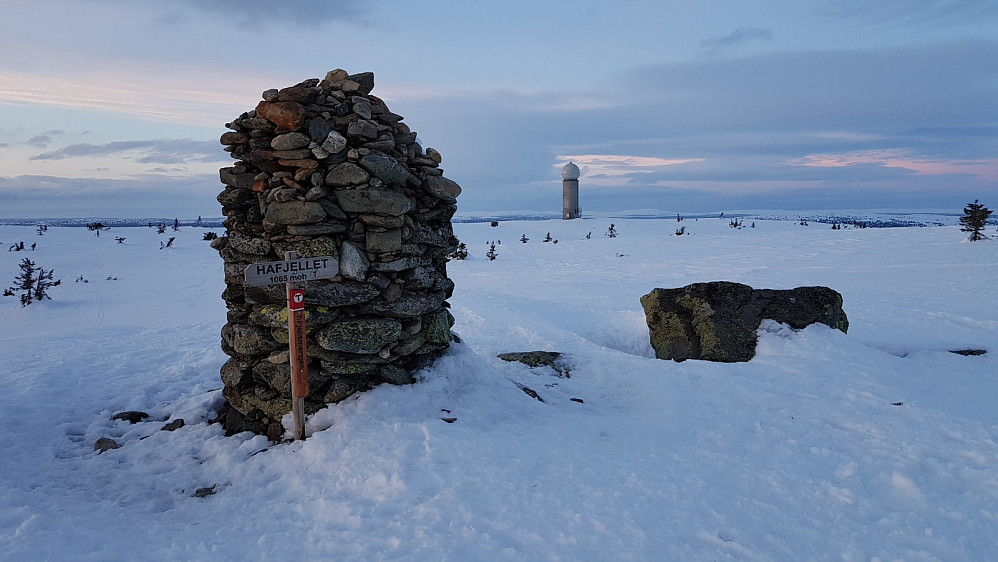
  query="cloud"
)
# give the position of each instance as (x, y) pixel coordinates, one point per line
(162, 151)
(309, 13)
(609, 166)
(862, 90)
(738, 36)
(40, 141)
(917, 13)
(151, 196)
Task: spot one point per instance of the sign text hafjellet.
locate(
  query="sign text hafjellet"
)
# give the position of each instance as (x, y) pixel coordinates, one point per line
(291, 271)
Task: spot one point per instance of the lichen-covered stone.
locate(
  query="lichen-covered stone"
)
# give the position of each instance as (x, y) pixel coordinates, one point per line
(384, 242)
(248, 244)
(436, 327)
(375, 201)
(395, 375)
(406, 306)
(310, 248)
(363, 336)
(718, 321)
(248, 340)
(343, 293)
(294, 212)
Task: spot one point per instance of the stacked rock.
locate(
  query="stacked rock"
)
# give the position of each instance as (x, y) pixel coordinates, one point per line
(325, 169)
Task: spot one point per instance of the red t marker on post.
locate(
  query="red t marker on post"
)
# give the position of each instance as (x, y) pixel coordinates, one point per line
(299, 352)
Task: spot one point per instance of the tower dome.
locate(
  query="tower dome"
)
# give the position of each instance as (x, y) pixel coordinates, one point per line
(570, 172)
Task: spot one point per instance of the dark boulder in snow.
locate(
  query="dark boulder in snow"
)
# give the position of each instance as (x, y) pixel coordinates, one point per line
(717, 321)
(130, 416)
(105, 444)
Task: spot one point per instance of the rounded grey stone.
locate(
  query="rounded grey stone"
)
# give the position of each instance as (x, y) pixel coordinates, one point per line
(443, 188)
(289, 141)
(346, 174)
(386, 168)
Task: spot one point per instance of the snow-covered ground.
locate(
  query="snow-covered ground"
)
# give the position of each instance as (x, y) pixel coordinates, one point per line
(876, 445)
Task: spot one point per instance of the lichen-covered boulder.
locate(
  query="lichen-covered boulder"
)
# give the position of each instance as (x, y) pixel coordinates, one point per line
(717, 321)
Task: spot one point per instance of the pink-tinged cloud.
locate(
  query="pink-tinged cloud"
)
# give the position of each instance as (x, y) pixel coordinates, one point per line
(159, 99)
(893, 158)
(615, 165)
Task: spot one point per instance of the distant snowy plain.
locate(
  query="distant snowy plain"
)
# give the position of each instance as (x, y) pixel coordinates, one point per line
(879, 444)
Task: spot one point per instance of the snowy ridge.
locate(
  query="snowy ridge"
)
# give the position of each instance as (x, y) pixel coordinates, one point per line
(876, 444)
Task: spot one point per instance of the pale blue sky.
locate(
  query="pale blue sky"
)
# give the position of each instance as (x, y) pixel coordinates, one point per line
(114, 107)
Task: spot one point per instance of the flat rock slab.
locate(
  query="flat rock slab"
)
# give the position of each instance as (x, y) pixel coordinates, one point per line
(551, 359)
(717, 321)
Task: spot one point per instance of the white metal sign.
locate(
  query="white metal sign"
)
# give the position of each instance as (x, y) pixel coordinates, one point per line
(291, 271)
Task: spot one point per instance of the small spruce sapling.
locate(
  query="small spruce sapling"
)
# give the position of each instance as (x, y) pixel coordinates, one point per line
(612, 231)
(548, 237)
(492, 254)
(460, 253)
(524, 239)
(975, 217)
(33, 282)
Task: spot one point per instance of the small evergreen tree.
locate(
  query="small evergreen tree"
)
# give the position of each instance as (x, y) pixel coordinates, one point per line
(492, 254)
(611, 232)
(33, 283)
(460, 253)
(548, 237)
(975, 216)
(524, 239)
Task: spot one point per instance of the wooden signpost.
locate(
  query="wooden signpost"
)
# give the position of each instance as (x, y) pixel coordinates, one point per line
(294, 272)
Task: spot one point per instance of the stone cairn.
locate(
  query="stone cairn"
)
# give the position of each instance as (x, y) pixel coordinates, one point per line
(325, 169)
